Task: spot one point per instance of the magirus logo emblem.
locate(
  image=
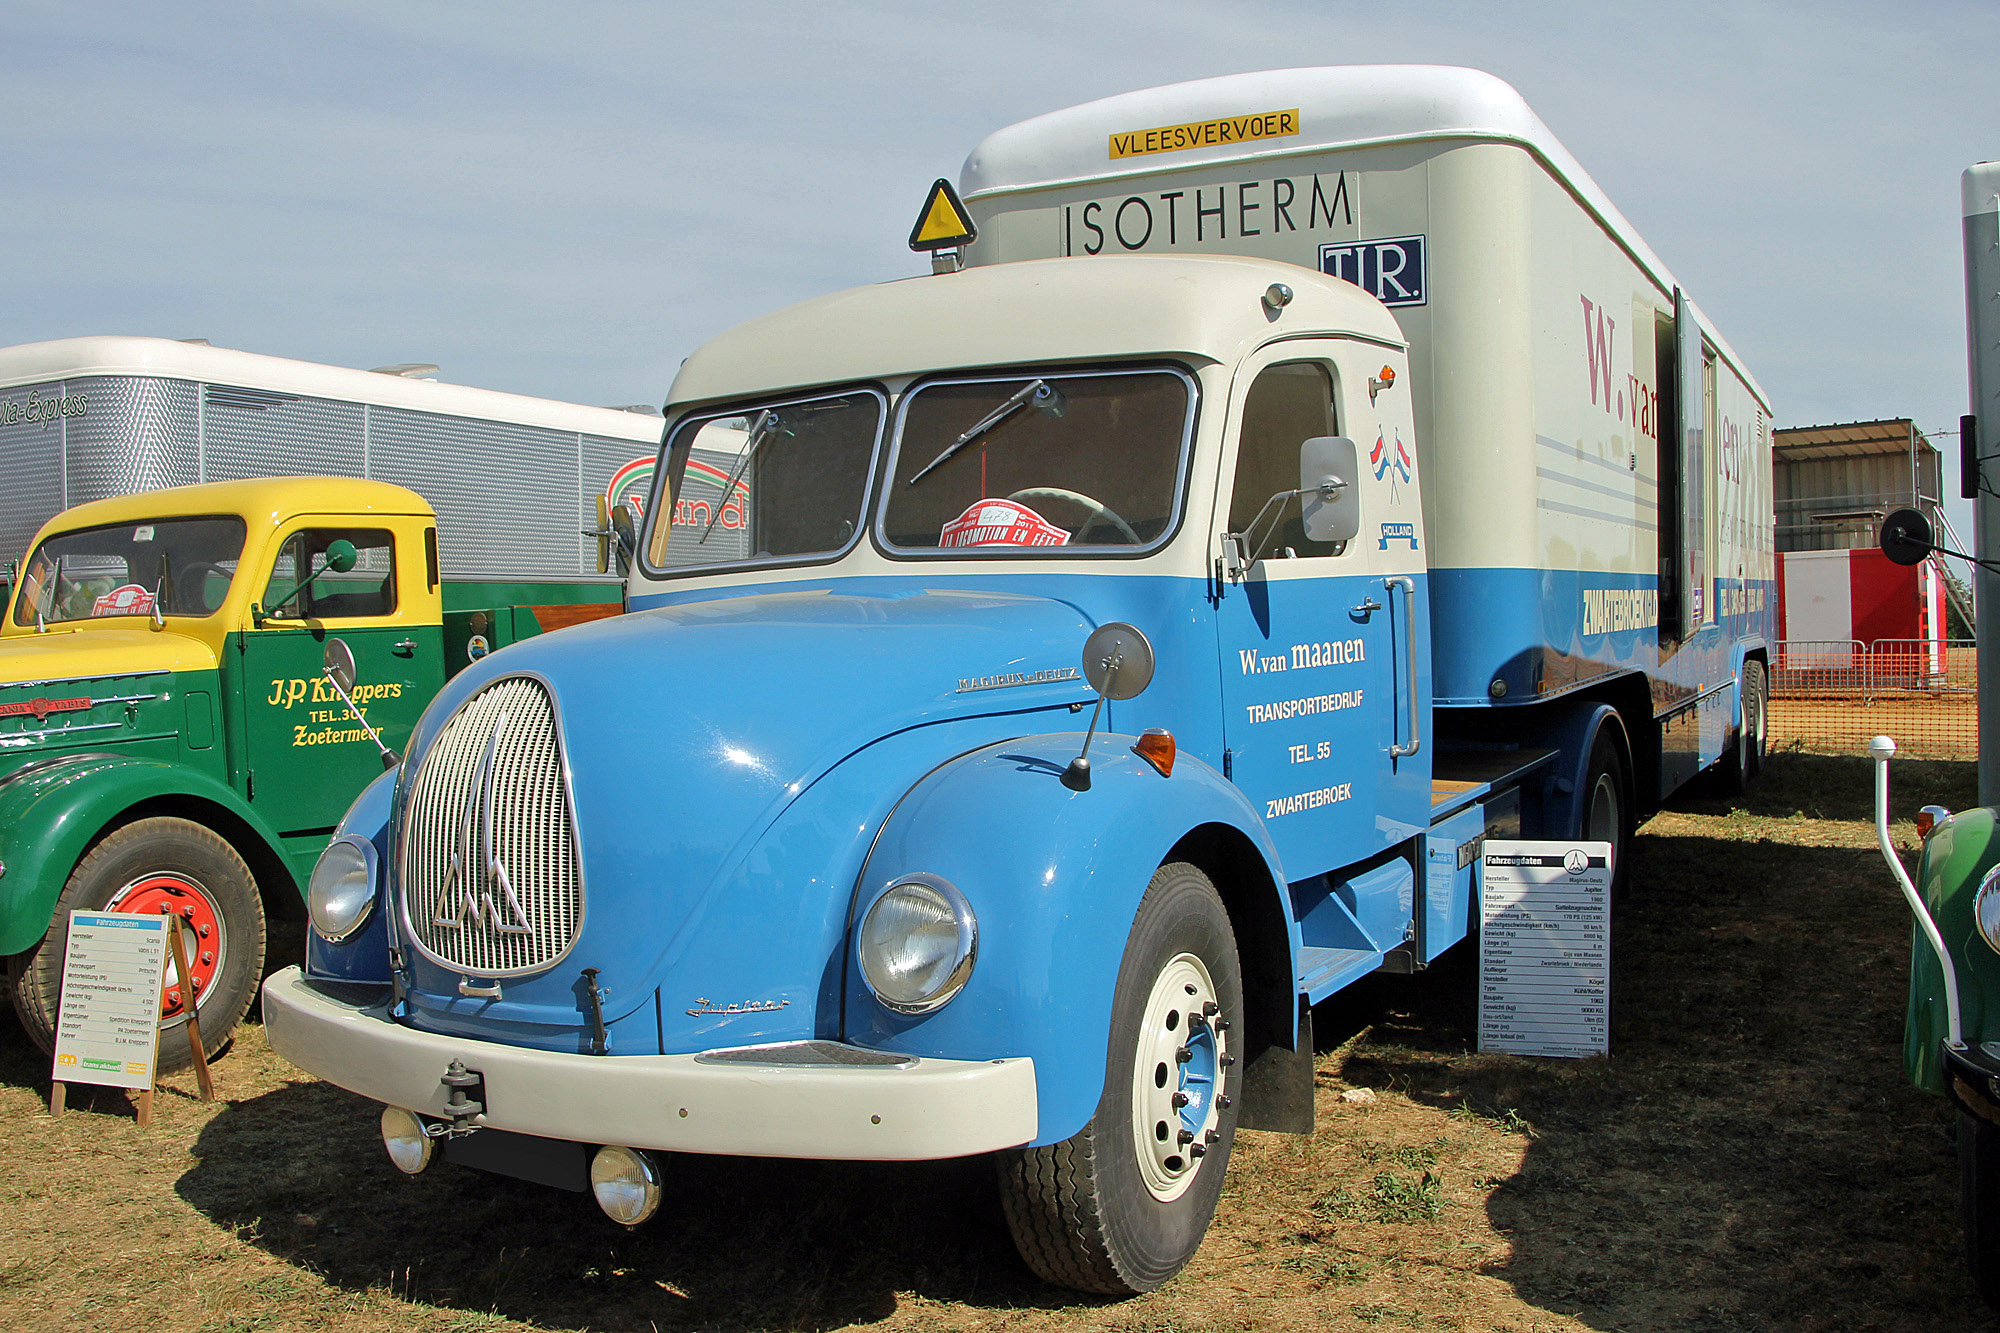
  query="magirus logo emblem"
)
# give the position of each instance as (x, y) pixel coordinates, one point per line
(477, 890)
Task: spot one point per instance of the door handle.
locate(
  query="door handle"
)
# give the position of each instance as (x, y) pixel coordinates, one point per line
(406, 648)
(1408, 586)
(1368, 607)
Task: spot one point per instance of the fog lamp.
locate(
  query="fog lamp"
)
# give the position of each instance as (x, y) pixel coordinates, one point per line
(403, 1135)
(626, 1184)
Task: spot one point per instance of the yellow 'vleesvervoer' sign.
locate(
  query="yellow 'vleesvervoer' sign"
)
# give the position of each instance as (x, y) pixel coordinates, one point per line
(1205, 133)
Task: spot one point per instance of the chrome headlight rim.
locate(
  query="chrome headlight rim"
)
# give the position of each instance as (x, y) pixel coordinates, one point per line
(965, 945)
(329, 901)
(1986, 909)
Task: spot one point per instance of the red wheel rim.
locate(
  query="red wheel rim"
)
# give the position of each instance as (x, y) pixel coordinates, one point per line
(202, 932)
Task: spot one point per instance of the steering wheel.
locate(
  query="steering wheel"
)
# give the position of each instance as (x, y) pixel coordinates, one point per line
(195, 575)
(1097, 508)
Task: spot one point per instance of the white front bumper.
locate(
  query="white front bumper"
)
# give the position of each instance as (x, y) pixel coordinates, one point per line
(921, 1109)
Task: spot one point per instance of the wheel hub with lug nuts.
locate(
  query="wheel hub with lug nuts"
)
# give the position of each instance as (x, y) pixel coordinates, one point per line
(163, 893)
(1177, 1081)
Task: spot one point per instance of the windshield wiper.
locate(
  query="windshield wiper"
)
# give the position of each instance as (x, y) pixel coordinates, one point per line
(1044, 394)
(765, 426)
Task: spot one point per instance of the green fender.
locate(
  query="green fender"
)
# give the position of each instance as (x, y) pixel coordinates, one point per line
(51, 813)
(1957, 856)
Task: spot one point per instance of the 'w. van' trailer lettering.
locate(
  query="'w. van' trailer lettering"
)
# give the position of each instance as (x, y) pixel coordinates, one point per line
(1200, 216)
(1300, 656)
(1632, 403)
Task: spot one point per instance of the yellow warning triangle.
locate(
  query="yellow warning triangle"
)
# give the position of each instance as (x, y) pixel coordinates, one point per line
(943, 222)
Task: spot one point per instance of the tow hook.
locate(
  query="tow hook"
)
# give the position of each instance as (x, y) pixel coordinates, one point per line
(458, 1105)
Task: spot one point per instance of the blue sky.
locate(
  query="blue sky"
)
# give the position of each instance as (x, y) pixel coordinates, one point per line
(565, 200)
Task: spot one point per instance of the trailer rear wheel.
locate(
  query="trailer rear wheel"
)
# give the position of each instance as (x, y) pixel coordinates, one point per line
(1740, 767)
(1979, 1201)
(1606, 809)
(150, 866)
(1121, 1206)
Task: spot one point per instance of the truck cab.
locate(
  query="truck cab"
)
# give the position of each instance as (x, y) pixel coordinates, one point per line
(171, 739)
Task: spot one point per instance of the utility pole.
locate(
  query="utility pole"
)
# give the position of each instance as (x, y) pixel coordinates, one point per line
(1979, 440)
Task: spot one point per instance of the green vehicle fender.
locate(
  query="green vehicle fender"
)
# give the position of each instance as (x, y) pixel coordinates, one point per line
(51, 813)
(1957, 857)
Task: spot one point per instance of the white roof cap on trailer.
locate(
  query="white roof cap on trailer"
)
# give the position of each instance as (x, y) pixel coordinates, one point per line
(168, 358)
(1340, 106)
(1980, 188)
(1035, 312)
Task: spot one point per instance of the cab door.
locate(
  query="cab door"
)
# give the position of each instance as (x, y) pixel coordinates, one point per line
(1320, 643)
(308, 755)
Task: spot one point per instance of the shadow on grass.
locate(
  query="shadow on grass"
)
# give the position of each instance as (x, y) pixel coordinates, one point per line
(739, 1243)
(1748, 1155)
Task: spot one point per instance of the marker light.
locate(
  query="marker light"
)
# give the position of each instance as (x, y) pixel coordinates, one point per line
(403, 1135)
(1156, 747)
(626, 1184)
(1929, 818)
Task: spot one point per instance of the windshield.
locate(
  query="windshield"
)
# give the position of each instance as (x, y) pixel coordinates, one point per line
(183, 566)
(1072, 460)
(785, 480)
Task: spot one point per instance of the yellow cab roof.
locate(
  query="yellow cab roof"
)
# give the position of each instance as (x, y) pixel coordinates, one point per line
(259, 500)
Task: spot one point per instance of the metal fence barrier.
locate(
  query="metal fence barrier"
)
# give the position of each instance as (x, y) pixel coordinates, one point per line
(1831, 695)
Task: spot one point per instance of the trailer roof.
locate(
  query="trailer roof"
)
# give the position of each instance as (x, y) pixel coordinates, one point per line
(1340, 106)
(1849, 439)
(1041, 311)
(168, 358)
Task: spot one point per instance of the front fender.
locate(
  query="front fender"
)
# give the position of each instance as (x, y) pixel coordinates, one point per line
(1054, 878)
(51, 814)
(1957, 856)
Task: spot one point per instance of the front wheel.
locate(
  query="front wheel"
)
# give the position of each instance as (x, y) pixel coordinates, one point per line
(1979, 1202)
(1607, 814)
(1121, 1206)
(151, 866)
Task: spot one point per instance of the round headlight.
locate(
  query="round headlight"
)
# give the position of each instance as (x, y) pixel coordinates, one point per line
(342, 890)
(403, 1135)
(917, 944)
(625, 1184)
(1986, 909)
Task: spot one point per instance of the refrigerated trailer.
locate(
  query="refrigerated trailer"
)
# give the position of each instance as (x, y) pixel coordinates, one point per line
(1118, 654)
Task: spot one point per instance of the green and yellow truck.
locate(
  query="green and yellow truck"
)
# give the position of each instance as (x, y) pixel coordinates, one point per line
(170, 736)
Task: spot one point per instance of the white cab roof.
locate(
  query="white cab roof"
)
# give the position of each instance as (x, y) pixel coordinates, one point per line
(1120, 307)
(167, 358)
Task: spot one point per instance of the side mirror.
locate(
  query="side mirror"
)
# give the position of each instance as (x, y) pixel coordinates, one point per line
(625, 534)
(338, 661)
(1906, 537)
(340, 555)
(1118, 662)
(1329, 501)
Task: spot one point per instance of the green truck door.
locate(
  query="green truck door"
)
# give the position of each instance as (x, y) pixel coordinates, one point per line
(309, 756)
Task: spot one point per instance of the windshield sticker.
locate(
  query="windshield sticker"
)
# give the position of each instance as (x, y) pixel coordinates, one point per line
(130, 600)
(1001, 523)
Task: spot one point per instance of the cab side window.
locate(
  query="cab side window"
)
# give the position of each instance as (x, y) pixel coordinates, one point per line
(1288, 404)
(368, 589)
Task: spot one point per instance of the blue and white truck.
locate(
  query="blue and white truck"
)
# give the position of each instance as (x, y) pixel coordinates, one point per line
(1111, 656)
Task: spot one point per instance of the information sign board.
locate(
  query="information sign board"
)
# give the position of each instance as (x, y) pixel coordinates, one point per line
(1545, 948)
(108, 1031)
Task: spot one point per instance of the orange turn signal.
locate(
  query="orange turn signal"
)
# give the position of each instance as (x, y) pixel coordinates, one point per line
(1388, 376)
(1156, 747)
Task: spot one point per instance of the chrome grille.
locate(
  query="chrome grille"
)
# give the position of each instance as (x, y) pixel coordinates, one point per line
(491, 881)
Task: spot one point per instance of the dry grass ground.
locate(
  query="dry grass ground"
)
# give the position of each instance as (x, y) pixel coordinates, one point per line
(1748, 1157)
